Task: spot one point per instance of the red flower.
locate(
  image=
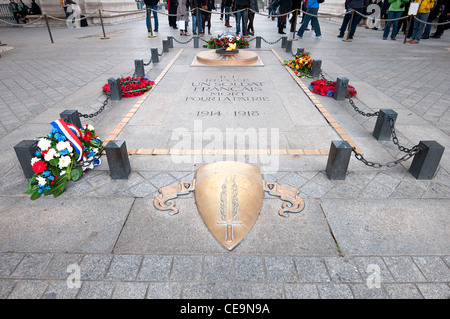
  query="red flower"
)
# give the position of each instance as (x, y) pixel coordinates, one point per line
(87, 136)
(39, 166)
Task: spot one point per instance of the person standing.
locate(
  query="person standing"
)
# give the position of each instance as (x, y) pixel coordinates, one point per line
(395, 11)
(206, 15)
(183, 16)
(241, 15)
(351, 6)
(296, 5)
(444, 17)
(251, 16)
(284, 7)
(173, 5)
(228, 4)
(35, 9)
(422, 14)
(14, 9)
(151, 6)
(195, 8)
(312, 8)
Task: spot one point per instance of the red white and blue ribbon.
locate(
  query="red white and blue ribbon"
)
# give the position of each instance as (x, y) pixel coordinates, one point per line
(70, 131)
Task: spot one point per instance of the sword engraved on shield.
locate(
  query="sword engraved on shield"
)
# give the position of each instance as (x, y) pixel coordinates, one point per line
(229, 198)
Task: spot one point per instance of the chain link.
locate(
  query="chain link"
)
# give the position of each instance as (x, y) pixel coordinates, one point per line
(271, 42)
(395, 140)
(406, 157)
(100, 110)
(359, 111)
(181, 42)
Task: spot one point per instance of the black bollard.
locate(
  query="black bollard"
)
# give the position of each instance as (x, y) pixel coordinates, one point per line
(283, 42)
(426, 161)
(316, 67)
(139, 68)
(25, 151)
(155, 56)
(118, 161)
(289, 46)
(115, 89)
(195, 42)
(165, 45)
(170, 39)
(72, 117)
(338, 160)
(258, 42)
(382, 130)
(300, 51)
(341, 89)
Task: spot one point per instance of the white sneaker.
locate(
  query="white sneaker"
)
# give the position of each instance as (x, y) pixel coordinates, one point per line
(317, 37)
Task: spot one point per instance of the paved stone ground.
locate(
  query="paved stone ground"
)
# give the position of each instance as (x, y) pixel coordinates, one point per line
(376, 222)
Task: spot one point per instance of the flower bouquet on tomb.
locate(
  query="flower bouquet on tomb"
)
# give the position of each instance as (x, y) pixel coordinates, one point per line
(301, 65)
(64, 154)
(132, 86)
(223, 41)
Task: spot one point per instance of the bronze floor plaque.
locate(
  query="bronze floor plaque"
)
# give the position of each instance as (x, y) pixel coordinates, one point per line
(229, 197)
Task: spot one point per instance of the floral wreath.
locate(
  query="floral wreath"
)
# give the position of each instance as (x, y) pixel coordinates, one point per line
(327, 88)
(222, 41)
(301, 65)
(63, 155)
(132, 87)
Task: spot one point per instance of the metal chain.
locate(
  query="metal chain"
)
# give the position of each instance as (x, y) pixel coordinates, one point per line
(271, 42)
(406, 157)
(395, 140)
(100, 110)
(359, 111)
(181, 42)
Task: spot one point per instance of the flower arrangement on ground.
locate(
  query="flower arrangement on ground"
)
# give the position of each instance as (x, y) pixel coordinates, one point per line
(222, 42)
(301, 65)
(132, 87)
(62, 156)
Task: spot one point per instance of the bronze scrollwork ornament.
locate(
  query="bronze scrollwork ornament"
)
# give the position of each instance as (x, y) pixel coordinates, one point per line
(229, 197)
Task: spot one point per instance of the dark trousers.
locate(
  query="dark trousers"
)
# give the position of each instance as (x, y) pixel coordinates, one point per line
(354, 23)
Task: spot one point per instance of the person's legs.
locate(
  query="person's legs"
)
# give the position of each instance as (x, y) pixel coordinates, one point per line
(397, 14)
(155, 17)
(419, 26)
(387, 27)
(315, 21)
(344, 24)
(305, 22)
(354, 24)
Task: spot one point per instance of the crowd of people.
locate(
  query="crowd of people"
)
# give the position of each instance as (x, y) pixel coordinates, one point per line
(395, 12)
(20, 10)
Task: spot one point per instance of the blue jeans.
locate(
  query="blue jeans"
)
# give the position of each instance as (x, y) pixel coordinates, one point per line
(241, 16)
(314, 22)
(227, 16)
(419, 26)
(155, 15)
(392, 15)
(194, 22)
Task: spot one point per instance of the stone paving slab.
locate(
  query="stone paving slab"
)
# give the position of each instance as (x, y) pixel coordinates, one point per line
(218, 276)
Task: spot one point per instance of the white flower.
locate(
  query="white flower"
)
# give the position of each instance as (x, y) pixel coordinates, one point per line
(50, 155)
(44, 144)
(34, 160)
(61, 146)
(41, 180)
(63, 172)
(89, 127)
(64, 161)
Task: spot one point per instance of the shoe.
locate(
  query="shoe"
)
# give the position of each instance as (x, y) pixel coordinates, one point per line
(409, 41)
(317, 37)
(414, 42)
(209, 33)
(194, 33)
(434, 36)
(393, 39)
(384, 38)
(425, 38)
(149, 30)
(307, 29)
(347, 40)
(299, 37)
(340, 36)
(156, 30)
(175, 27)
(281, 32)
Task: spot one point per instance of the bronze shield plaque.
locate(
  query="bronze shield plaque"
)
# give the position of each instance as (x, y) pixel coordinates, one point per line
(229, 197)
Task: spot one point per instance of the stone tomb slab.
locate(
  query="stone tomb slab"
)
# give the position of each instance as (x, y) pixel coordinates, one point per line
(216, 99)
(149, 231)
